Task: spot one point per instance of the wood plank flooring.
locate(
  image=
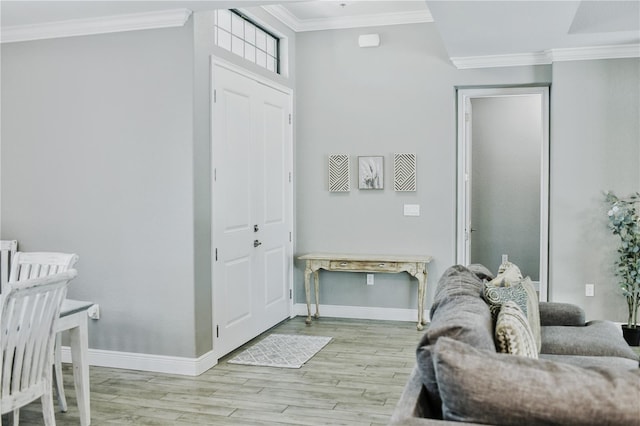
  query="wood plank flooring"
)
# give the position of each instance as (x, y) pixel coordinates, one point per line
(355, 380)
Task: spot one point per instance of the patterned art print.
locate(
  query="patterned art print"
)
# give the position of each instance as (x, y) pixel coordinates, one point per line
(404, 172)
(339, 175)
(371, 172)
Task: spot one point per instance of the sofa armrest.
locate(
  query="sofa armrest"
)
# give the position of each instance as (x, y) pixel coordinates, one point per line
(565, 314)
(413, 407)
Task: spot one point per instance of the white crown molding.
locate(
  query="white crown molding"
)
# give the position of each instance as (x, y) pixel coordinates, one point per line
(301, 25)
(548, 56)
(596, 52)
(492, 61)
(101, 25)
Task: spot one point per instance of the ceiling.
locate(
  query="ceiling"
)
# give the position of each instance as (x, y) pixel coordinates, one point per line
(467, 28)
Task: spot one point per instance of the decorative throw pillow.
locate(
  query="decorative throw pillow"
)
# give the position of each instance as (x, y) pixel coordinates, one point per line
(524, 294)
(513, 334)
(497, 296)
(538, 392)
(508, 273)
(533, 310)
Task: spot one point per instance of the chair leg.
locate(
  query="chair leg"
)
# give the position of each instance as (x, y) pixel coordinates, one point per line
(47, 408)
(15, 417)
(57, 373)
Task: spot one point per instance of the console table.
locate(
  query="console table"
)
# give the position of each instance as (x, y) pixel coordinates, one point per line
(415, 266)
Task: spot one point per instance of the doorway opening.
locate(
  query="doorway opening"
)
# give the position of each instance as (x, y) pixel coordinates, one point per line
(503, 179)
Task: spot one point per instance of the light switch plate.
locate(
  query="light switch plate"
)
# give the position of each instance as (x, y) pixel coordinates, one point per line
(412, 209)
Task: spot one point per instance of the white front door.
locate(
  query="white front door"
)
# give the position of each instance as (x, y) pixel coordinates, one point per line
(252, 207)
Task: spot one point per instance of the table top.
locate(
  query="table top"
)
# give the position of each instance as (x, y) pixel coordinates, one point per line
(367, 257)
(71, 306)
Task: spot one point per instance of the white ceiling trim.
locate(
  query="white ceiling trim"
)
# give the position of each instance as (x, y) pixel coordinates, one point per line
(597, 52)
(101, 25)
(300, 25)
(548, 56)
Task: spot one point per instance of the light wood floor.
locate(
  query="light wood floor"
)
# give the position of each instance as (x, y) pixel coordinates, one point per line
(355, 380)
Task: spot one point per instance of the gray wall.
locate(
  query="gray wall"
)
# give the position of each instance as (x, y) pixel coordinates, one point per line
(595, 146)
(106, 152)
(97, 159)
(505, 179)
(399, 97)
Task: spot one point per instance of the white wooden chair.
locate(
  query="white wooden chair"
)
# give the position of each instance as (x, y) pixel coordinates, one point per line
(7, 249)
(28, 312)
(28, 265)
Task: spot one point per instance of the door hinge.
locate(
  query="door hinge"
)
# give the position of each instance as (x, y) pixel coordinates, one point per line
(290, 294)
(290, 237)
(216, 254)
(289, 118)
(289, 177)
(215, 175)
(215, 96)
(217, 331)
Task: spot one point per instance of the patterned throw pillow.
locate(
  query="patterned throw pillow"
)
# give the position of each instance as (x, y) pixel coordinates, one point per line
(513, 334)
(496, 297)
(521, 291)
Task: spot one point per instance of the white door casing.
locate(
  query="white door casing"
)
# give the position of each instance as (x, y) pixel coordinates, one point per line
(464, 220)
(252, 205)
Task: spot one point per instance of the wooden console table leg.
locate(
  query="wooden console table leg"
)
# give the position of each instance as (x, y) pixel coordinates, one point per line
(316, 282)
(307, 290)
(422, 285)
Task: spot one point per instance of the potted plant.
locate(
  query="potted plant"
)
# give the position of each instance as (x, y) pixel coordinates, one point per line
(624, 221)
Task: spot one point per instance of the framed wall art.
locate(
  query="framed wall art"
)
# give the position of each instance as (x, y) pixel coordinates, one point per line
(371, 172)
(404, 172)
(339, 176)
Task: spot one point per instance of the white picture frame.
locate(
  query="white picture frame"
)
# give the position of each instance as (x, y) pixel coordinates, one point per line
(371, 172)
(339, 173)
(404, 172)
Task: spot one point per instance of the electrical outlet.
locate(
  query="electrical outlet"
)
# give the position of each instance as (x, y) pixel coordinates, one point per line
(369, 279)
(94, 312)
(589, 290)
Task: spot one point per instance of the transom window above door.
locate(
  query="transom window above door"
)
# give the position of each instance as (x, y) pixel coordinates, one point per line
(240, 35)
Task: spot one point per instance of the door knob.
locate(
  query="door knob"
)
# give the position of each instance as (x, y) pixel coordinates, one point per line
(256, 243)
(255, 228)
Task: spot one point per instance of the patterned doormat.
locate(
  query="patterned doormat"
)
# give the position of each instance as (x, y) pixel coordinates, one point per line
(282, 350)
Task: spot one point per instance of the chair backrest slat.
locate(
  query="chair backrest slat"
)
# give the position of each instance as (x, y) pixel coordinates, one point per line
(30, 265)
(28, 312)
(8, 249)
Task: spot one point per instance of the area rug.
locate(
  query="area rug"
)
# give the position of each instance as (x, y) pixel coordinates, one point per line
(282, 350)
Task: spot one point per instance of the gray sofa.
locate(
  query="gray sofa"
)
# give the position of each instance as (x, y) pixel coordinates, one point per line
(585, 373)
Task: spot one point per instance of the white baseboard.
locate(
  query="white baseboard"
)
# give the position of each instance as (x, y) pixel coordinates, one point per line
(148, 362)
(196, 366)
(361, 312)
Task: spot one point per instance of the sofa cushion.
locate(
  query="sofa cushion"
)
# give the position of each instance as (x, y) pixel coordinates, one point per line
(458, 312)
(481, 271)
(484, 387)
(555, 313)
(596, 338)
(523, 293)
(513, 334)
(593, 361)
